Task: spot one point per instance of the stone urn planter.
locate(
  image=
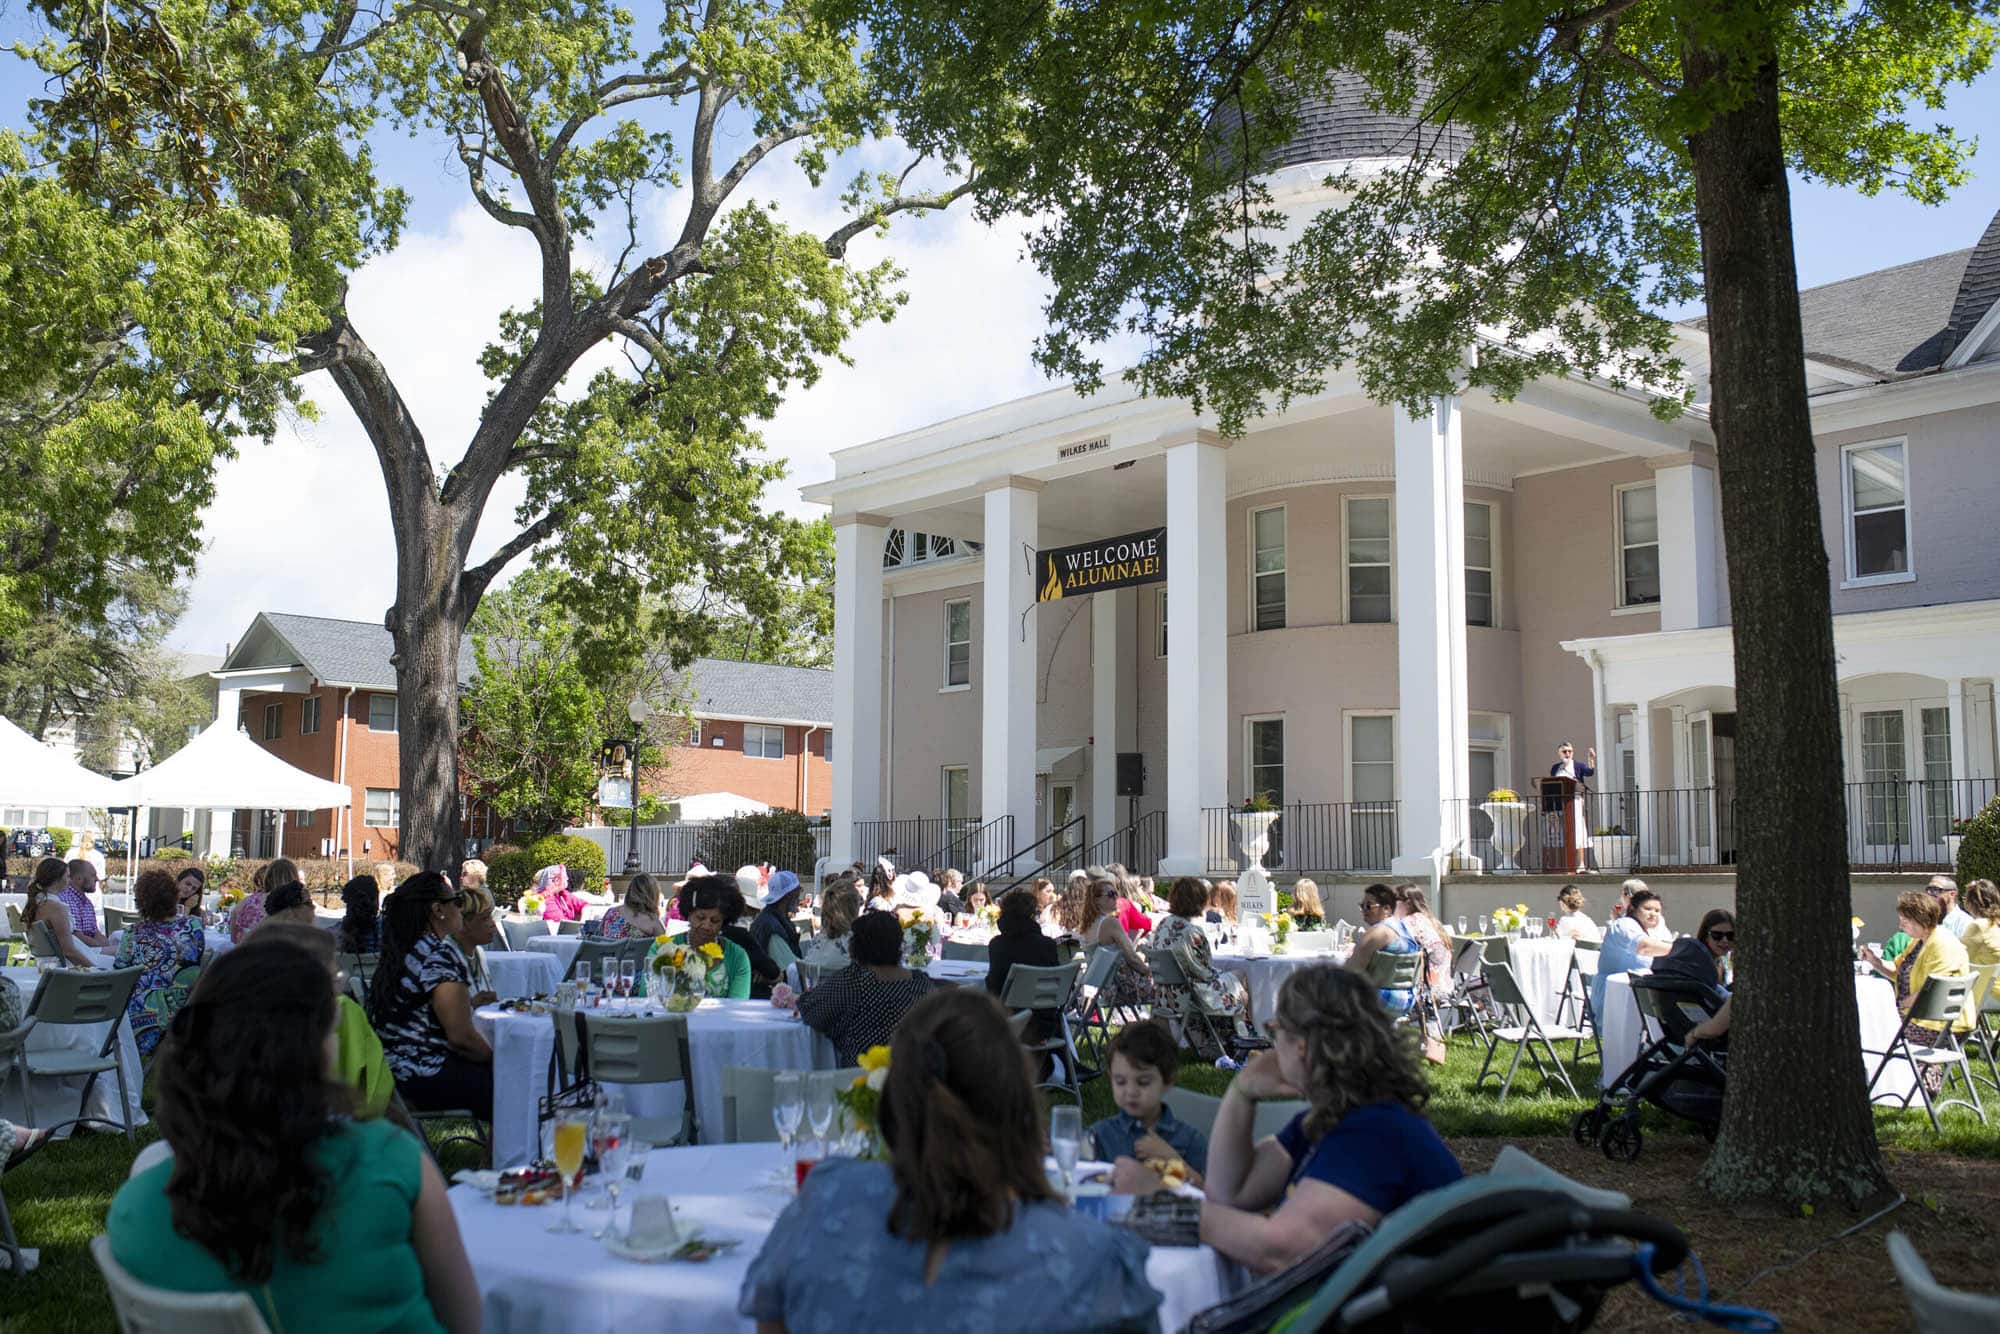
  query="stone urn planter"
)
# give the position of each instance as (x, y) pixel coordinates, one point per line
(1613, 851)
(1253, 833)
(1510, 830)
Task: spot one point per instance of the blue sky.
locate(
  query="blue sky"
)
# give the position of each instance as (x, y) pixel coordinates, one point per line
(962, 342)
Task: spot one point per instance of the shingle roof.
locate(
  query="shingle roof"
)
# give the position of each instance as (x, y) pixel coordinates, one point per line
(351, 653)
(1344, 123)
(723, 687)
(1979, 289)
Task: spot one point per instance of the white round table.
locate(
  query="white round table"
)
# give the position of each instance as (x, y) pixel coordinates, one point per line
(560, 948)
(218, 941)
(1263, 974)
(518, 973)
(536, 1282)
(721, 1033)
(56, 1099)
(959, 972)
(1540, 967)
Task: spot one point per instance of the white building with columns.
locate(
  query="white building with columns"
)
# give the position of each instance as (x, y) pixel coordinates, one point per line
(1378, 618)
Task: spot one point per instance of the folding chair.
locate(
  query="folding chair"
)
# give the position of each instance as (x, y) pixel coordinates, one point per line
(1985, 1005)
(14, 926)
(12, 1043)
(643, 1049)
(42, 944)
(144, 1309)
(83, 996)
(117, 919)
(966, 950)
(569, 928)
(1938, 1309)
(1576, 993)
(1091, 1017)
(1172, 981)
(747, 1095)
(360, 970)
(1030, 990)
(1397, 972)
(1941, 1002)
(520, 930)
(1524, 1035)
(593, 953)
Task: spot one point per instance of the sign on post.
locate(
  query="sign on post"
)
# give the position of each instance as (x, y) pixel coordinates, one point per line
(1100, 566)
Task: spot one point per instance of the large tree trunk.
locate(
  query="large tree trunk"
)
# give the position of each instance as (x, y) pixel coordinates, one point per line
(1797, 1126)
(427, 624)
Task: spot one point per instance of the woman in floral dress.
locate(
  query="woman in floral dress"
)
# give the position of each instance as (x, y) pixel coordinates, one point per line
(168, 948)
(1218, 993)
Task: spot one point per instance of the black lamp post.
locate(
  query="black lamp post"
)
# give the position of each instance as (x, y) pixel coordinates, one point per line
(638, 711)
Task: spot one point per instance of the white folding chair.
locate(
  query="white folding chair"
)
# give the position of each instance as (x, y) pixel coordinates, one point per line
(747, 1095)
(72, 996)
(1526, 1035)
(520, 930)
(1030, 990)
(144, 1309)
(1940, 1003)
(965, 950)
(1938, 1309)
(643, 1049)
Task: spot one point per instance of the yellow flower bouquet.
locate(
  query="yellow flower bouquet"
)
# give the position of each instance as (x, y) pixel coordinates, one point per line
(861, 1101)
(1281, 929)
(686, 973)
(531, 904)
(920, 938)
(1506, 920)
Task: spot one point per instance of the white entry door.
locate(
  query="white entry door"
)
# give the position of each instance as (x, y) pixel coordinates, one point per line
(1701, 794)
(1062, 809)
(1884, 824)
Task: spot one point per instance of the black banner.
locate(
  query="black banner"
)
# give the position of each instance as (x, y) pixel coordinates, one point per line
(1099, 567)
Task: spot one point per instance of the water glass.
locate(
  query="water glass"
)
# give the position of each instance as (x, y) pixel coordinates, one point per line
(1461, 924)
(820, 1106)
(1065, 1142)
(583, 979)
(614, 1154)
(788, 1106)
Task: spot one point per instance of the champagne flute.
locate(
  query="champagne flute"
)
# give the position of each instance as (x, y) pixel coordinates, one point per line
(583, 981)
(1461, 924)
(1065, 1141)
(788, 1107)
(1485, 925)
(614, 1152)
(628, 977)
(571, 1131)
(820, 1108)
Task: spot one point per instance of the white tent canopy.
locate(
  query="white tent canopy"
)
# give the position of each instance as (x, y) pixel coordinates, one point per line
(224, 768)
(716, 806)
(33, 774)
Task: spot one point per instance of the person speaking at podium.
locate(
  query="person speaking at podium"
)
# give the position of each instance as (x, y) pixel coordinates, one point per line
(1556, 811)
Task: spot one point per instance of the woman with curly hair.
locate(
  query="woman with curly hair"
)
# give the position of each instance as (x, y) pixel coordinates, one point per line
(168, 949)
(1359, 1152)
(326, 1223)
(1074, 908)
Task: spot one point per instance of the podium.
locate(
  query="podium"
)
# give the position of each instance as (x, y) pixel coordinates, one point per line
(1565, 843)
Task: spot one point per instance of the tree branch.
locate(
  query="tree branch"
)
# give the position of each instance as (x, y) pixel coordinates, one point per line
(475, 174)
(836, 241)
(473, 582)
(618, 92)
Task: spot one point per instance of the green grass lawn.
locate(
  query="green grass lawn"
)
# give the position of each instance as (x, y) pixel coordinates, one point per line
(59, 1199)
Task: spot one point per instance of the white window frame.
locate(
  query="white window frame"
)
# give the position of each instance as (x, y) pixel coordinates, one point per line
(274, 720)
(395, 713)
(1283, 571)
(1250, 721)
(302, 819)
(394, 802)
(763, 732)
(1491, 568)
(694, 733)
(1619, 606)
(1346, 586)
(826, 746)
(1847, 517)
(947, 683)
(1160, 623)
(1347, 717)
(1502, 749)
(944, 790)
(309, 715)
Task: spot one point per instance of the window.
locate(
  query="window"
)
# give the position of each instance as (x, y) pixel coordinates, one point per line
(1878, 512)
(1265, 765)
(957, 794)
(1267, 565)
(1160, 635)
(274, 721)
(958, 643)
(302, 819)
(1372, 758)
(1638, 546)
(694, 733)
(826, 746)
(381, 713)
(1885, 811)
(1479, 564)
(1486, 754)
(1368, 551)
(383, 808)
(763, 741)
(309, 716)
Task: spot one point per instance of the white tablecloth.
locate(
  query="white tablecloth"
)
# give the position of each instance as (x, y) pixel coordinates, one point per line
(721, 1033)
(560, 948)
(960, 972)
(218, 941)
(56, 1099)
(1265, 973)
(536, 1282)
(1540, 966)
(518, 973)
(1874, 998)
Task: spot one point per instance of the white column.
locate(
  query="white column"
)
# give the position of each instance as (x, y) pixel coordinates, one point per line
(1647, 819)
(1960, 803)
(1431, 732)
(1108, 651)
(858, 543)
(1198, 654)
(1007, 657)
(1684, 491)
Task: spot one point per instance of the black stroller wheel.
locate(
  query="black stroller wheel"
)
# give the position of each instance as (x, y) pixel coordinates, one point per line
(1586, 1126)
(1622, 1141)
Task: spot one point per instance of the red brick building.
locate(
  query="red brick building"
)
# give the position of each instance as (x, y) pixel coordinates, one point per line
(321, 694)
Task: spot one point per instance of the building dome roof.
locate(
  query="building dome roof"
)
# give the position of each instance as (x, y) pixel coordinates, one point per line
(1978, 289)
(1341, 122)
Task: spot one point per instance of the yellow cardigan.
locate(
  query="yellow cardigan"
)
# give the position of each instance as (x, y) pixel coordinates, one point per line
(1941, 954)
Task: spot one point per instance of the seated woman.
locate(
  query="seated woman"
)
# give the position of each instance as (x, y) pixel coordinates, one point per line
(1704, 956)
(860, 1006)
(46, 906)
(774, 920)
(17, 1143)
(1383, 932)
(1222, 910)
(361, 927)
(977, 899)
(1981, 900)
(421, 1002)
(638, 915)
(244, 918)
(360, 1064)
(1936, 952)
(189, 884)
(838, 908)
(479, 929)
(1019, 939)
(706, 901)
(960, 1224)
(1217, 992)
(288, 903)
(1046, 905)
(558, 904)
(325, 1223)
(1131, 982)
(1361, 1150)
(1074, 908)
(1574, 923)
(167, 949)
(1633, 941)
(1308, 912)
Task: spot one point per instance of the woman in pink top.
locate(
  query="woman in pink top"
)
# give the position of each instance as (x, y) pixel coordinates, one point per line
(558, 904)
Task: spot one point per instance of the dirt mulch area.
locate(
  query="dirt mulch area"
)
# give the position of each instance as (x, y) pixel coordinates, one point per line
(1952, 1216)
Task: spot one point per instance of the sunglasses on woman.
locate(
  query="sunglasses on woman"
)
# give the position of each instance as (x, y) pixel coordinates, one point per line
(1722, 935)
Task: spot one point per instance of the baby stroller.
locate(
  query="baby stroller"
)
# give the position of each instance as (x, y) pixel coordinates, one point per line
(1684, 1078)
(1521, 1248)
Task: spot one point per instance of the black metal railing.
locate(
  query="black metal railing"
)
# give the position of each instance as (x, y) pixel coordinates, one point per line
(669, 849)
(965, 843)
(1060, 852)
(1138, 847)
(1892, 824)
(1307, 838)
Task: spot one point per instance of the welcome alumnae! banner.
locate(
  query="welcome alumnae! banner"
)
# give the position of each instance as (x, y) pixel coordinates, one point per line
(1100, 566)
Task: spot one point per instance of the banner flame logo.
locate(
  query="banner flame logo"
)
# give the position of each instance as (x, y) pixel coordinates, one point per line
(1053, 588)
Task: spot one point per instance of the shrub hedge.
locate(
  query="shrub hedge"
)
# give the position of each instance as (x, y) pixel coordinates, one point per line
(1979, 853)
(509, 872)
(583, 858)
